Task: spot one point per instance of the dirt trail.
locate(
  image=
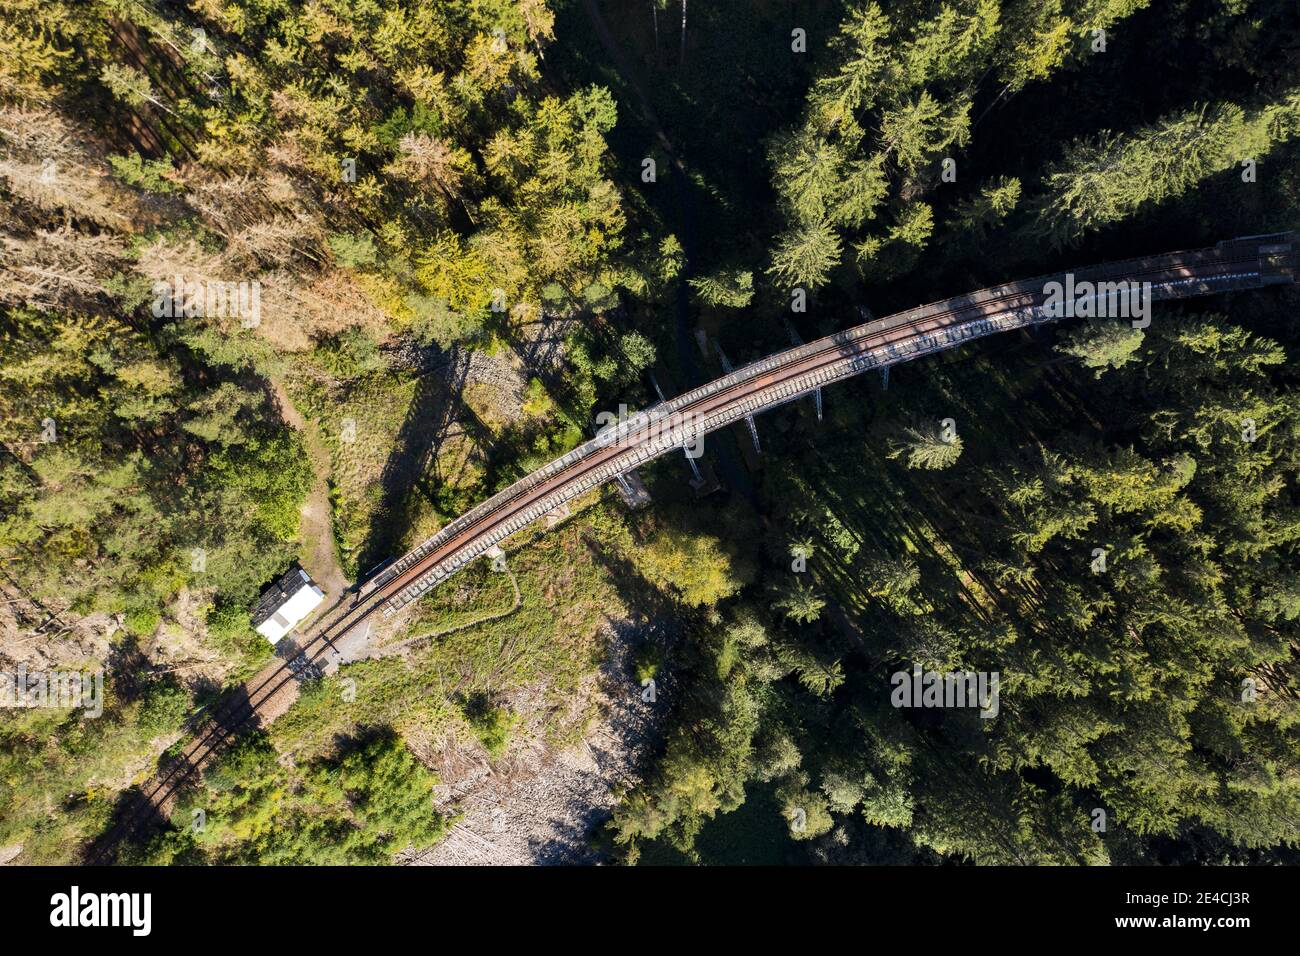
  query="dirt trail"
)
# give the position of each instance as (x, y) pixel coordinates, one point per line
(316, 533)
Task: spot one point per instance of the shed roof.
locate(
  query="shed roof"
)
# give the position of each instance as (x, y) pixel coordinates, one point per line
(279, 593)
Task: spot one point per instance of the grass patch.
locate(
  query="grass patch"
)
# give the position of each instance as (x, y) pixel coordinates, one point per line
(550, 646)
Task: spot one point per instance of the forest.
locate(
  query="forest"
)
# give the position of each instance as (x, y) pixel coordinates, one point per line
(455, 232)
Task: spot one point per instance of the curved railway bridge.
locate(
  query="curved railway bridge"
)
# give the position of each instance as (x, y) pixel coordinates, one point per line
(1247, 263)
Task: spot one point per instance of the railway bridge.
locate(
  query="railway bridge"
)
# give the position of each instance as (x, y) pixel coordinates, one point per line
(1246, 263)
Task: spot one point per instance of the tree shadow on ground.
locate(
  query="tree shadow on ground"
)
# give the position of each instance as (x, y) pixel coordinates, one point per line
(139, 812)
(435, 410)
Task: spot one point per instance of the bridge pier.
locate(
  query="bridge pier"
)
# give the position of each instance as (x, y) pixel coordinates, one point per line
(705, 481)
(701, 484)
(702, 340)
(658, 391)
(796, 341)
(695, 469)
(633, 490)
(749, 419)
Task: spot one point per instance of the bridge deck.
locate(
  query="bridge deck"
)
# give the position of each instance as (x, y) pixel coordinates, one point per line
(1249, 263)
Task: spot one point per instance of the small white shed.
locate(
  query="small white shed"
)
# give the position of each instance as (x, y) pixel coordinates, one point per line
(285, 603)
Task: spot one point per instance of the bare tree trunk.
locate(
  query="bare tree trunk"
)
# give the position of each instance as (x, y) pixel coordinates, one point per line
(654, 15)
(682, 58)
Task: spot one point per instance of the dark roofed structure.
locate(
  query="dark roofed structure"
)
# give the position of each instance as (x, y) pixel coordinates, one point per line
(288, 600)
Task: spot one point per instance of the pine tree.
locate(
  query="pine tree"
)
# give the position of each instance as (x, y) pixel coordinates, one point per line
(733, 288)
(925, 447)
(805, 255)
(1109, 179)
(800, 603)
(1103, 344)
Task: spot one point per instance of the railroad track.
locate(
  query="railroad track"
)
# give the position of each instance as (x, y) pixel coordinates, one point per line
(785, 376)
(1248, 263)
